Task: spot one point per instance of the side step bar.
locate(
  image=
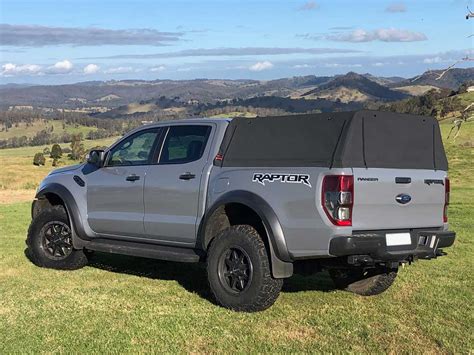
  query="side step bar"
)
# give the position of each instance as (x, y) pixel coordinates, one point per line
(151, 251)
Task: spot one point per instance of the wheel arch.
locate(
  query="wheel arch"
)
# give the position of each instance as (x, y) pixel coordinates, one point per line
(54, 194)
(217, 219)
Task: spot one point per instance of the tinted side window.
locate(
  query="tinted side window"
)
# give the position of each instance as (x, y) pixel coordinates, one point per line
(135, 150)
(184, 144)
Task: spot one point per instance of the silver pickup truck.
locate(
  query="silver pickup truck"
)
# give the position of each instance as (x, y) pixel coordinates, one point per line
(354, 193)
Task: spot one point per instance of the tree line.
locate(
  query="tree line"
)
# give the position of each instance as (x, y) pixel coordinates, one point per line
(76, 151)
(437, 103)
(100, 127)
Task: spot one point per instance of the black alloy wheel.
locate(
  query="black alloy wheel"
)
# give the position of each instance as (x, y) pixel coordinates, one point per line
(56, 240)
(50, 241)
(235, 269)
(239, 270)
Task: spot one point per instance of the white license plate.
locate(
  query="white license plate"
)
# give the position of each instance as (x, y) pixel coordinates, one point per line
(393, 239)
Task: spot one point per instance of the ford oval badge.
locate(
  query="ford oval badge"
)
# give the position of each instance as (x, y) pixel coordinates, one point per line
(403, 199)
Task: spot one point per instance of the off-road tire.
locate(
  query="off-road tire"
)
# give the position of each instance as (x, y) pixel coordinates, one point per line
(369, 283)
(261, 290)
(35, 247)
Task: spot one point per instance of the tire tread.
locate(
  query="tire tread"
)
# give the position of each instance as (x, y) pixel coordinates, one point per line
(76, 260)
(270, 288)
(370, 286)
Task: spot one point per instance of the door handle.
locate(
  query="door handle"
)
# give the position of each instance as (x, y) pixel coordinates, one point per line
(402, 180)
(187, 176)
(133, 177)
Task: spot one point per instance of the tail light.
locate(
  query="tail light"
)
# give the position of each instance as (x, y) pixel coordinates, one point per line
(447, 189)
(338, 198)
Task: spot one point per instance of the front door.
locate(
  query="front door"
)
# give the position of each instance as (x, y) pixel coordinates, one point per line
(115, 191)
(172, 187)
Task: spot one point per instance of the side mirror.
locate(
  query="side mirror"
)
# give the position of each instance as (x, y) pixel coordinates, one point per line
(96, 157)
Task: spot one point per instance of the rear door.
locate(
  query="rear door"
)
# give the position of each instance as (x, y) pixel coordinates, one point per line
(398, 198)
(115, 191)
(402, 183)
(172, 187)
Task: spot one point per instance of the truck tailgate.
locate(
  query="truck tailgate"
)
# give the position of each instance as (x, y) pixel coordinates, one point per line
(398, 198)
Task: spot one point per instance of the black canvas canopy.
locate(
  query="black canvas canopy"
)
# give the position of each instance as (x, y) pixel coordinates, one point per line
(370, 139)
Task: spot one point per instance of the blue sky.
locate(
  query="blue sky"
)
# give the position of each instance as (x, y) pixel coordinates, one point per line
(69, 41)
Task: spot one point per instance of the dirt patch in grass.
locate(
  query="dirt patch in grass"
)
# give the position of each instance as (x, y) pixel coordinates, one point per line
(12, 196)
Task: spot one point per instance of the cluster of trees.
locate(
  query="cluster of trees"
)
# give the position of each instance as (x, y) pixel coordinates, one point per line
(284, 104)
(9, 119)
(42, 137)
(104, 127)
(257, 111)
(425, 105)
(437, 103)
(107, 124)
(75, 152)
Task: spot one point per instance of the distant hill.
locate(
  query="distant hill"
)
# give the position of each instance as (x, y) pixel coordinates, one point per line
(354, 87)
(164, 107)
(116, 93)
(293, 105)
(128, 95)
(452, 79)
(416, 90)
(124, 92)
(384, 80)
(14, 86)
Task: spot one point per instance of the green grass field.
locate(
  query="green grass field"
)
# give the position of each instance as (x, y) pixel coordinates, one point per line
(26, 175)
(39, 125)
(124, 304)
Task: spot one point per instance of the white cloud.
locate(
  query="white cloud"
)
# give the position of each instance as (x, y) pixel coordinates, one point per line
(158, 68)
(381, 34)
(62, 67)
(10, 69)
(91, 69)
(309, 5)
(259, 66)
(301, 66)
(396, 7)
(119, 70)
(432, 60)
(339, 65)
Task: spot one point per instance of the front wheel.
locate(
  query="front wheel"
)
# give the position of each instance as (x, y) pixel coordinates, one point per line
(49, 241)
(238, 270)
(364, 282)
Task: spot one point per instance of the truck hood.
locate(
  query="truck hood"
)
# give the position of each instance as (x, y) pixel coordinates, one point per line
(65, 169)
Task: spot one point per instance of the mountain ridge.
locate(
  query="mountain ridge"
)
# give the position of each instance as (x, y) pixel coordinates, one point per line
(101, 96)
(366, 89)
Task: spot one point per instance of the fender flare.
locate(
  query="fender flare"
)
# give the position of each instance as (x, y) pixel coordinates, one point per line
(281, 261)
(69, 203)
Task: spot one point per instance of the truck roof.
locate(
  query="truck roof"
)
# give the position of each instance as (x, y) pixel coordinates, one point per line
(190, 120)
(340, 139)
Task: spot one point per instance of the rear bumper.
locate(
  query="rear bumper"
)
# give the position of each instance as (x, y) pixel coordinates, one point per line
(371, 246)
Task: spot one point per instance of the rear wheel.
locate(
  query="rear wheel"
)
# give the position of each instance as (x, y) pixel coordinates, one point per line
(366, 282)
(49, 241)
(238, 269)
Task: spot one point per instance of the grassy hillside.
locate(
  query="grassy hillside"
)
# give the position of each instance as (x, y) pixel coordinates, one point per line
(19, 161)
(354, 87)
(450, 80)
(457, 103)
(128, 305)
(464, 99)
(416, 90)
(39, 125)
